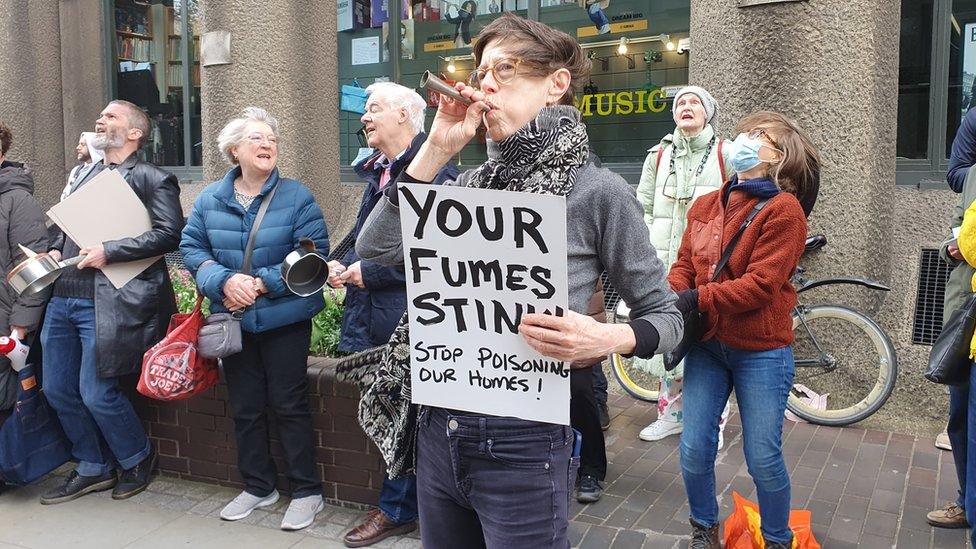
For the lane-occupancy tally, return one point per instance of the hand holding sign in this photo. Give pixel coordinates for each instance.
(573, 337)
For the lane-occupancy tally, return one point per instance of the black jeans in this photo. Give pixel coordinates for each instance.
(585, 418)
(495, 482)
(600, 386)
(271, 372)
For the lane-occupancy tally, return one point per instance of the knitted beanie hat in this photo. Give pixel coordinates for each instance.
(711, 106)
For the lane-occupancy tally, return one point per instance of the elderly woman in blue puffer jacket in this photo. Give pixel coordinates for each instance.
(270, 371)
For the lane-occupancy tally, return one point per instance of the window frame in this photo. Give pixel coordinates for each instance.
(630, 171)
(930, 172)
(186, 171)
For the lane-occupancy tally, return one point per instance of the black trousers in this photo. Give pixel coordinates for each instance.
(270, 373)
(585, 418)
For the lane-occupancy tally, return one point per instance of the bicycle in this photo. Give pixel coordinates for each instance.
(838, 352)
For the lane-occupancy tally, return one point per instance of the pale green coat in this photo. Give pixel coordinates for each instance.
(667, 217)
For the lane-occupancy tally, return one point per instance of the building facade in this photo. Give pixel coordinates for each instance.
(880, 85)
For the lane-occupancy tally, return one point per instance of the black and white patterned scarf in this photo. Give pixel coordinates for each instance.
(544, 157)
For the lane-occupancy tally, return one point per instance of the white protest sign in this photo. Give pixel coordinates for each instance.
(476, 260)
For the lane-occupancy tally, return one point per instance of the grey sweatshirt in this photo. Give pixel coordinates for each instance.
(605, 231)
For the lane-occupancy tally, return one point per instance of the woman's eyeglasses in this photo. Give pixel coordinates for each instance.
(504, 71)
(759, 133)
(671, 191)
(259, 138)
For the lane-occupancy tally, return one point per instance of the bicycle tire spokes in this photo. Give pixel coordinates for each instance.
(842, 354)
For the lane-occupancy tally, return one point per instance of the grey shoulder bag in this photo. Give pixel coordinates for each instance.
(220, 336)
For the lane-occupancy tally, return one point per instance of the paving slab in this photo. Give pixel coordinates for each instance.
(865, 488)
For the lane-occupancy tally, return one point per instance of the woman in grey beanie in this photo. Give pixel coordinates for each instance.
(686, 164)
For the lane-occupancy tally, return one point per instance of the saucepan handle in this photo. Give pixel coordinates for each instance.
(72, 261)
(307, 244)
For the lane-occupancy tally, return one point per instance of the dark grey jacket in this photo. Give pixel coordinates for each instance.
(959, 285)
(131, 320)
(21, 222)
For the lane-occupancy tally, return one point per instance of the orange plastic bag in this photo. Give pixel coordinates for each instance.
(742, 527)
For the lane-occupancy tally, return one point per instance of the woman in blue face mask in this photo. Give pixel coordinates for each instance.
(745, 303)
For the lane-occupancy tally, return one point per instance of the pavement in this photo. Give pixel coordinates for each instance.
(866, 488)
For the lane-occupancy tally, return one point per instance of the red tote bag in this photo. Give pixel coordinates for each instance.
(172, 369)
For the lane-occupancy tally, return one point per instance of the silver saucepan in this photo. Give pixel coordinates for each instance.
(37, 272)
(304, 270)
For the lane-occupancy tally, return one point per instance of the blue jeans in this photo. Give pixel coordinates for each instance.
(96, 415)
(495, 482)
(398, 499)
(762, 381)
(962, 434)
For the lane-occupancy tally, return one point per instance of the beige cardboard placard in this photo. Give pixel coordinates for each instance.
(105, 209)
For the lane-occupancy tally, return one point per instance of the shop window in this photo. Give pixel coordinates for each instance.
(156, 66)
(914, 77)
(435, 35)
(962, 66)
(364, 58)
(640, 55)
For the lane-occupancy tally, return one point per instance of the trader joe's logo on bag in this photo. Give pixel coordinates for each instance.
(167, 372)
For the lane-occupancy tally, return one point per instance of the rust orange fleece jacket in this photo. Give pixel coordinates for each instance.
(749, 306)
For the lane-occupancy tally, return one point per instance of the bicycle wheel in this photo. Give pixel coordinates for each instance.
(638, 384)
(844, 354)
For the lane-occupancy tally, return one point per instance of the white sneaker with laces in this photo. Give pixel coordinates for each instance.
(244, 503)
(660, 429)
(301, 512)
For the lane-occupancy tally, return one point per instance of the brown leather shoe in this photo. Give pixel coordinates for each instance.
(375, 528)
(950, 516)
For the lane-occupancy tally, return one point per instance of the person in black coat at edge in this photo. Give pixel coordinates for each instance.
(94, 333)
(21, 222)
(376, 294)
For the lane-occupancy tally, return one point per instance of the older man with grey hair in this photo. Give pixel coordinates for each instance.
(376, 294)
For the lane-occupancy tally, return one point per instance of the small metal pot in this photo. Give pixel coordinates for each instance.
(37, 272)
(304, 270)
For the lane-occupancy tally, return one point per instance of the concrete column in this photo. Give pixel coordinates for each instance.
(84, 69)
(30, 90)
(283, 59)
(832, 65)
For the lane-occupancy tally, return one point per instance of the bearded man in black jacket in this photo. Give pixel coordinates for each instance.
(93, 333)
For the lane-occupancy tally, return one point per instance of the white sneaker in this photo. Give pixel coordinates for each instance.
(244, 503)
(660, 429)
(604, 29)
(721, 438)
(942, 441)
(301, 512)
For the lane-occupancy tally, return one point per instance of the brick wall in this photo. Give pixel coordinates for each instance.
(195, 438)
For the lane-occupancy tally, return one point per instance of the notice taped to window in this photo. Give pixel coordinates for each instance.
(476, 260)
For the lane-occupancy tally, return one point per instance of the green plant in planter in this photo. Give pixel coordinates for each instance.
(325, 325)
(186, 291)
